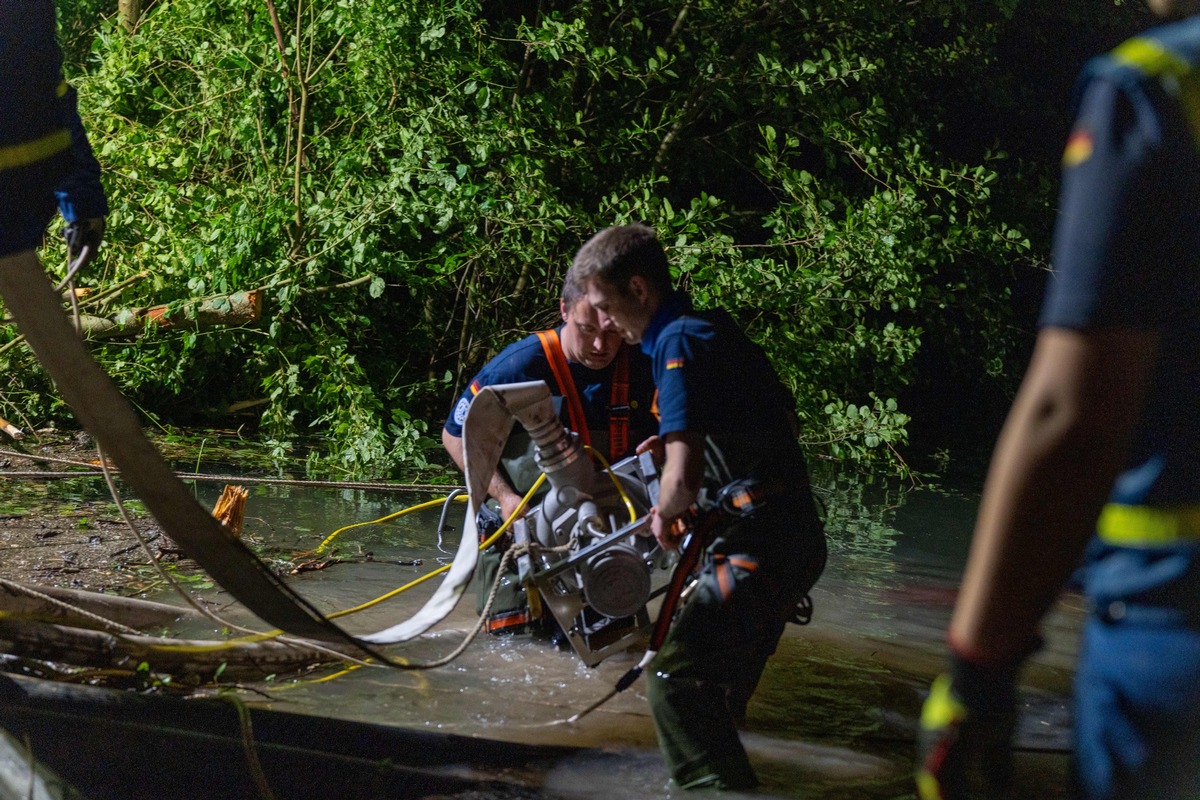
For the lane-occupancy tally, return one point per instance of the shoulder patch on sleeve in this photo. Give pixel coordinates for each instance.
(1079, 147)
(674, 363)
(460, 412)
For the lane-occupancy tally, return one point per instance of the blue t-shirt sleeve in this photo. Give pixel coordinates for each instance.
(458, 414)
(679, 374)
(521, 361)
(1111, 236)
(496, 371)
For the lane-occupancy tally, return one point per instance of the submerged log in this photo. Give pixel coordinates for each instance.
(28, 601)
(205, 659)
(52, 624)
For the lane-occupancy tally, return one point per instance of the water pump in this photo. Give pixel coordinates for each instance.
(591, 558)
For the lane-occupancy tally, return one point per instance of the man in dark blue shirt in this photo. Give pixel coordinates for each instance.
(1098, 458)
(44, 152)
(603, 390)
(726, 422)
(604, 394)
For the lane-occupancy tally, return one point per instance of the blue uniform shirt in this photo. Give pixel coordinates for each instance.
(713, 381)
(526, 361)
(43, 149)
(1127, 243)
(80, 194)
(1127, 256)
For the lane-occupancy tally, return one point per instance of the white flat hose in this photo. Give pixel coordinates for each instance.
(107, 415)
(485, 430)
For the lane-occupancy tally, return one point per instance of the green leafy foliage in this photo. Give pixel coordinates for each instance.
(406, 182)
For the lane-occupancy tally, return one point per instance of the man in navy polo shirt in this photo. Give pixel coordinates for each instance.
(604, 394)
(1097, 461)
(726, 422)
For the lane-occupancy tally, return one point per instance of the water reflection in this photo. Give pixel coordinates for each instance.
(834, 716)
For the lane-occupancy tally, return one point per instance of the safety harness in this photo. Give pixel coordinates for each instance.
(618, 408)
(518, 619)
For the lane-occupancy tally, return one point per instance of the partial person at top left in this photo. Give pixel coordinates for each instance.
(45, 157)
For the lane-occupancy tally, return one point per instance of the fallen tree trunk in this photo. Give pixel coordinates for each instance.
(205, 659)
(29, 601)
(239, 308)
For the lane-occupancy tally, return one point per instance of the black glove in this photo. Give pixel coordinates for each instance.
(964, 745)
(84, 233)
(487, 522)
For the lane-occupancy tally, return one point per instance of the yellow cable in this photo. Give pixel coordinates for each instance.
(272, 634)
(486, 543)
(419, 507)
(279, 687)
(217, 646)
(616, 482)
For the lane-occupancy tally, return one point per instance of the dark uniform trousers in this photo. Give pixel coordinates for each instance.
(699, 684)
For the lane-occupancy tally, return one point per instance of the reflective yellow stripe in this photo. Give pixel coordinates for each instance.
(1150, 57)
(928, 787)
(1153, 59)
(20, 155)
(942, 708)
(1148, 526)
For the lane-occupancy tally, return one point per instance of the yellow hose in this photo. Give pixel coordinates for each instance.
(616, 482)
(178, 648)
(420, 507)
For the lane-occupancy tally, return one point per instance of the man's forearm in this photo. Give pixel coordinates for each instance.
(498, 486)
(681, 476)
(1064, 442)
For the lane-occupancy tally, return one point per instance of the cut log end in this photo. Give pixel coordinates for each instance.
(12, 430)
(230, 509)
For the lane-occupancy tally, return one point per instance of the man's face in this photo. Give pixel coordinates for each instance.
(628, 313)
(585, 341)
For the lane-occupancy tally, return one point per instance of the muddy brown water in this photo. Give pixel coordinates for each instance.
(834, 716)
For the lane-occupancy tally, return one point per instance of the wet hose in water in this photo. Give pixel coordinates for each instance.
(108, 416)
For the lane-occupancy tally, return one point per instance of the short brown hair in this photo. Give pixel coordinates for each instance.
(572, 292)
(616, 254)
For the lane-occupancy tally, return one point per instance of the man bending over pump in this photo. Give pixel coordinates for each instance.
(728, 433)
(603, 392)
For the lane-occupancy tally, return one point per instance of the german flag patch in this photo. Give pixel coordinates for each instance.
(1079, 147)
(674, 363)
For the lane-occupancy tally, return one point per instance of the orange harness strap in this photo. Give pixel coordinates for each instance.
(552, 347)
(618, 408)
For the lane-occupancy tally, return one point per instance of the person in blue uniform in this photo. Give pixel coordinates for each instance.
(727, 426)
(44, 152)
(604, 393)
(1097, 461)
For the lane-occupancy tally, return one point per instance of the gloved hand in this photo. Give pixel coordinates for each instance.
(964, 749)
(84, 233)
